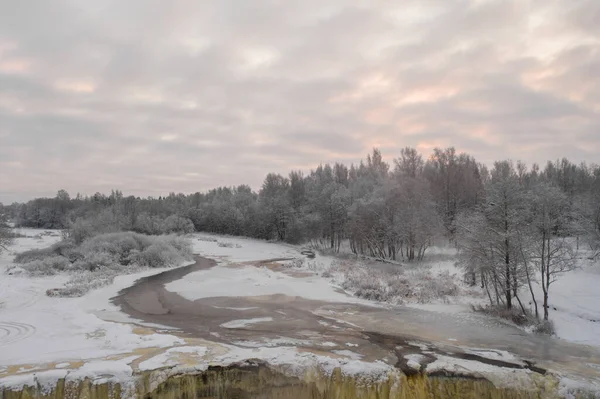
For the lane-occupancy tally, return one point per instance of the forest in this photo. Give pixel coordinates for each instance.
(510, 222)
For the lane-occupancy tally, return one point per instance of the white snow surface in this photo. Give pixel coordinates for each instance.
(245, 322)
(170, 357)
(240, 249)
(221, 281)
(575, 303)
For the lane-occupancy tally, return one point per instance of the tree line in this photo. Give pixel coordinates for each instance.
(509, 222)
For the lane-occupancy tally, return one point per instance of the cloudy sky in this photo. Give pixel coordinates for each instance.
(156, 96)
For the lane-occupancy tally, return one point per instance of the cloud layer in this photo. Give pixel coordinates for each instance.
(153, 96)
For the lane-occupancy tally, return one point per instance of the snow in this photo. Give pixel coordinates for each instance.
(414, 360)
(499, 376)
(171, 357)
(574, 301)
(281, 341)
(347, 353)
(298, 362)
(104, 370)
(222, 280)
(245, 322)
(240, 249)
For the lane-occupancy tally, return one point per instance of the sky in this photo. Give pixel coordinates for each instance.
(152, 96)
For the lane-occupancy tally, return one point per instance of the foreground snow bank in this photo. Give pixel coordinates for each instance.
(41, 330)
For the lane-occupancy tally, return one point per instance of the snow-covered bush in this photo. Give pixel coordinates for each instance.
(545, 327)
(34, 255)
(83, 228)
(97, 260)
(48, 266)
(160, 254)
(392, 283)
(177, 224)
(62, 248)
(155, 225)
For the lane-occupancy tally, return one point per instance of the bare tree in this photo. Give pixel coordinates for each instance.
(553, 255)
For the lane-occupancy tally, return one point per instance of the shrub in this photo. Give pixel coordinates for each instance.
(159, 254)
(97, 260)
(34, 255)
(155, 225)
(83, 228)
(177, 224)
(62, 248)
(545, 327)
(392, 283)
(48, 266)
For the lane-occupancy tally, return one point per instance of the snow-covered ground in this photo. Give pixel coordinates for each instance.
(231, 249)
(574, 301)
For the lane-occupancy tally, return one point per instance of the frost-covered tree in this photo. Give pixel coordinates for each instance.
(6, 236)
(552, 253)
(489, 236)
(275, 204)
(455, 181)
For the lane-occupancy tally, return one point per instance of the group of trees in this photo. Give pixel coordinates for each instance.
(510, 223)
(529, 225)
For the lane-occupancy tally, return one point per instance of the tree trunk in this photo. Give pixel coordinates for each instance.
(481, 277)
(507, 261)
(521, 305)
(545, 276)
(487, 289)
(537, 314)
(545, 305)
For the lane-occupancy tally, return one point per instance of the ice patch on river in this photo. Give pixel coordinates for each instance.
(245, 322)
(223, 281)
